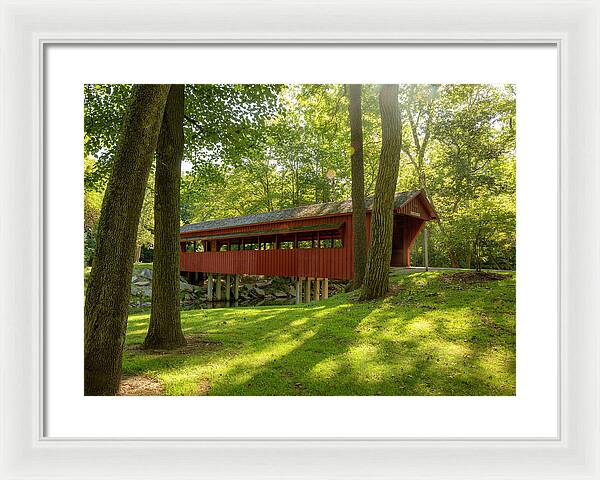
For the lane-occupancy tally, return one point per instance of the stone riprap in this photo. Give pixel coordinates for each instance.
(253, 290)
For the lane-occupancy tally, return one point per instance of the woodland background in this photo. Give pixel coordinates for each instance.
(258, 148)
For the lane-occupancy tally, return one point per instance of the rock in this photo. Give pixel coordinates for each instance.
(280, 294)
(141, 291)
(259, 291)
(142, 282)
(186, 287)
(292, 291)
(146, 273)
(264, 283)
(269, 297)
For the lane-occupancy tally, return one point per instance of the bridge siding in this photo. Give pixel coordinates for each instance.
(334, 263)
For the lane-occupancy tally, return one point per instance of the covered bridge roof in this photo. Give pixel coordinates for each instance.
(306, 211)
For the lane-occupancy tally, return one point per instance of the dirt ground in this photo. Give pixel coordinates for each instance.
(140, 385)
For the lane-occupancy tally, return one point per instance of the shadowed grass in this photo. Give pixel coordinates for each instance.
(431, 336)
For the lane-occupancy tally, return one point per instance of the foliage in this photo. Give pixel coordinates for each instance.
(145, 233)
(433, 336)
(460, 151)
(258, 148)
(103, 109)
(93, 195)
(223, 123)
(458, 146)
(92, 203)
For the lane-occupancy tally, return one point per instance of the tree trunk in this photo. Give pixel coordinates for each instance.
(107, 297)
(382, 220)
(165, 323)
(358, 186)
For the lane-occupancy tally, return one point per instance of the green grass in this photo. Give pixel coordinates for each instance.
(430, 337)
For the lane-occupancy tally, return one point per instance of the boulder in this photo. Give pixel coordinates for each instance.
(146, 273)
(258, 292)
(292, 291)
(186, 287)
(141, 291)
(280, 294)
(142, 282)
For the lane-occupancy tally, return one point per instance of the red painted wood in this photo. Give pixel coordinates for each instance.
(334, 263)
(301, 262)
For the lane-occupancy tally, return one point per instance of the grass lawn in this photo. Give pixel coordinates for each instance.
(436, 334)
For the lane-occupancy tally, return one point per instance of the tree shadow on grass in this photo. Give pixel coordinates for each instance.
(437, 361)
(244, 335)
(285, 372)
(339, 348)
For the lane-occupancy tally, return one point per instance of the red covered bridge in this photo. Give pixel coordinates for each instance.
(312, 241)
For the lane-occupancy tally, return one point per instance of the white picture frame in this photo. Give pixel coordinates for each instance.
(27, 27)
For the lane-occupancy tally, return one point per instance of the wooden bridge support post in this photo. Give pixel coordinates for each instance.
(210, 287)
(317, 289)
(308, 289)
(325, 288)
(219, 297)
(236, 287)
(299, 281)
(227, 287)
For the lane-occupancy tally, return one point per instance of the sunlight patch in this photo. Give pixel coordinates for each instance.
(422, 326)
(362, 353)
(327, 368)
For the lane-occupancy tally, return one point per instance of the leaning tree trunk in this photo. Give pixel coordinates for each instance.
(107, 296)
(380, 252)
(358, 186)
(165, 322)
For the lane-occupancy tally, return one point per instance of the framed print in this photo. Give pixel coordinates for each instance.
(481, 356)
(471, 364)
